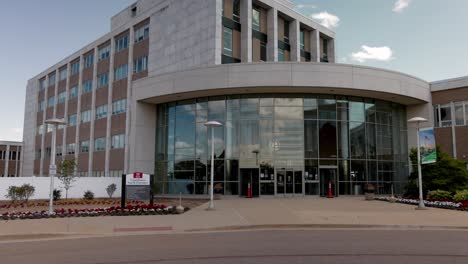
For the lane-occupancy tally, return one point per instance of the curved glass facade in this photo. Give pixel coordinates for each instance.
(281, 145)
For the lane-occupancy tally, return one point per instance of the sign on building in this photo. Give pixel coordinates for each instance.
(427, 145)
(137, 186)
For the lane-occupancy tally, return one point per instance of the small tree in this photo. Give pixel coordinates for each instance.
(12, 193)
(66, 170)
(111, 189)
(27, 191)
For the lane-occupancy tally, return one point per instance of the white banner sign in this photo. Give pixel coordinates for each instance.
(137, 178)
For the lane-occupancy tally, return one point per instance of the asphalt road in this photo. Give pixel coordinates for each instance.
(274, 246)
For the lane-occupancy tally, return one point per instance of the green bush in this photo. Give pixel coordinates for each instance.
(461, 196)
(439, 195)
(88, 195)
(22, 193)
(57, 194)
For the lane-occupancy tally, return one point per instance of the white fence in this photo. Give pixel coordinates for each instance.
(97, 185)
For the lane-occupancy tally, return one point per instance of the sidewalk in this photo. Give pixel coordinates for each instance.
(234, 214)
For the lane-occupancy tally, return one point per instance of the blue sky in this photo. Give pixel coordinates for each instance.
(424, 38)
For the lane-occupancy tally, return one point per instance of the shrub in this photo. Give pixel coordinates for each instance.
(12, 193)
(439, 195)
(88, 195)
(461, 196)
(57, 194)
(111, 189)
(27, 191)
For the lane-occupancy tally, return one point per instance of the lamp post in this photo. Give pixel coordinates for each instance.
(212, 125)
(53, 168)
(417, 121)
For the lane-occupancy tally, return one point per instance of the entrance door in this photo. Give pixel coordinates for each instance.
(328, 175)
(288, 182)
(249, 176)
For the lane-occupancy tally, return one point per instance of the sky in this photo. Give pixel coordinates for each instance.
(424, 38)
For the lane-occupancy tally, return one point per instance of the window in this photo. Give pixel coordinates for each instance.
(459, 114)
(62, 97)
(42, 84)
(60, 127)
(118, 141)
(286, 31)
(121, 43)
(263, 51)
(227, 37)
(104, 52)
(236, 11)
(140, 64)
(58, 151)
(101, 112)
(63, 74)
(71, 149)
(41, 106)
(51, 101)
(120, 72)
(88, 60)
(119, 106)
(85, 116)
(302, 40)
(75, 68)
(100, 144)
(142, 33)
(84, 146)
(49, 128)
(87, 86)
(40, 129)
(73, 92)
(72, 120)
(256, 19)
(445, 115)
(280, 55)
(103, 79)
(52, 79)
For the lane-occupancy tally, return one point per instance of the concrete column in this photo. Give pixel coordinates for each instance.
(65, 115)
(315, 46)
(295, 40)
(7, 160)
(454, 135)
(331, 51)
(93, 113)
(272, 45)
(57, 77)
(218, 32)
(109, 106)
(78, 110)
(44, 129)
(128, 114)
(18, 150)
(246, 33)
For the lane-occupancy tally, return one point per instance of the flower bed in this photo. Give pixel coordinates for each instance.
(69, 202)
(109, 211)
(447, 204)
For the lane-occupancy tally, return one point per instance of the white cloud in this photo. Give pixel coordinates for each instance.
(400, 5)
(372, 53)
(305, 6)
(326, 19)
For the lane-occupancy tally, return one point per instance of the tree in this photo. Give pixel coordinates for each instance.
(66, 171)
(447, 174)
(111, 189)
(27, 191)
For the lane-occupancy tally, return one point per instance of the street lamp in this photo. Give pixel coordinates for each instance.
(212, 125)
(53, 168)
(417, 121)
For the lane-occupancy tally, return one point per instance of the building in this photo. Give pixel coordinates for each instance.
(10, 156)
(293, 120)
(450, 100)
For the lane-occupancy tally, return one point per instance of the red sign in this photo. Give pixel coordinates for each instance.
(138, 175)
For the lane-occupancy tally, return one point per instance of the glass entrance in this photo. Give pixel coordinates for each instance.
(328, 176)
(289, 182)
(249, 176)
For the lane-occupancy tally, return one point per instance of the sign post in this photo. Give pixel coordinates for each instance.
(136, 186)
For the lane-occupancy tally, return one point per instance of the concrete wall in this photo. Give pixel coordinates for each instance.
(29, 129)
(97, 185)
